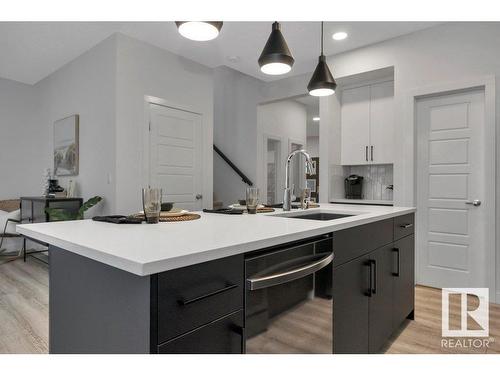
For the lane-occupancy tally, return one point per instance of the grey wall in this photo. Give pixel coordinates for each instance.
(23, 148)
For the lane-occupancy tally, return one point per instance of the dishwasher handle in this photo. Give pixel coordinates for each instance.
(273, 276)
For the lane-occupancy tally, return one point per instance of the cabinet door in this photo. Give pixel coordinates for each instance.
(355, 125)
(382, 123)
(350, 306)
(404, 279)
(224, 336)
(380, 310)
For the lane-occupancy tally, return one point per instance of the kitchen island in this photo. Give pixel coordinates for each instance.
(180, 287)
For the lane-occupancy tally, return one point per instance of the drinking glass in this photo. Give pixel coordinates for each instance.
(252, 200)
(151, 202)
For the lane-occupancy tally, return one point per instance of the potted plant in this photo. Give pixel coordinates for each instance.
(61, 214)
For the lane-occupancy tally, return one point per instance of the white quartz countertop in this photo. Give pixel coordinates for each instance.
(362, 201)
(146, 249)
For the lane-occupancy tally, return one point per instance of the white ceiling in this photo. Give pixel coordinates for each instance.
(32, 50)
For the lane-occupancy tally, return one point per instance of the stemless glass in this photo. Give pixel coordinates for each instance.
(252, 200)
(151, 202)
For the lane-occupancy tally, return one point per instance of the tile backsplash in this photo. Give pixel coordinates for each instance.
(376, 179)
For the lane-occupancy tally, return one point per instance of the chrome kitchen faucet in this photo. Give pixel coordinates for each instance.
(287, 198)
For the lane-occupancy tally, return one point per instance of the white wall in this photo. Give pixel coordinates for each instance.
(23, 148)
(236, 97)
(447, 53)
(312, 146)
(85, 86)
(284, 120)
(145, 70)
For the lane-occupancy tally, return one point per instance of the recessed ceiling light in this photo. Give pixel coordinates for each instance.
(316, 118)
(234, 59)
(199, 30)
(341, 35)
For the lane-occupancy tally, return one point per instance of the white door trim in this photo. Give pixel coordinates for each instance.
(207, 152)
(280, 169)
(488, 84)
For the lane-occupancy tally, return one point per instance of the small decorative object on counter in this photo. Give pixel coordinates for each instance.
(252, 200)
(47, 175)
(55, 190)
(151, 202)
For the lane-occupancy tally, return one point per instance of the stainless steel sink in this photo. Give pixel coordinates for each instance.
(315, 215)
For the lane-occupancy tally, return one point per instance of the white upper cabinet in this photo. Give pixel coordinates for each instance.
(355, 119)
(382, 123)
(368, 124)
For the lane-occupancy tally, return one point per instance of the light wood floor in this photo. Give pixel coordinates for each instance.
(24, 315)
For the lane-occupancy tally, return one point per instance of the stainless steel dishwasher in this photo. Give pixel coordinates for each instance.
(288, 299)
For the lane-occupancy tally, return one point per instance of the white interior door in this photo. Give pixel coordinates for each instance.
(451, 150)
(175, 144)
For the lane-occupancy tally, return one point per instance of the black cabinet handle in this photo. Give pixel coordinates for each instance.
(396, 250)
(406, 226)
(371, 152)
(185, 302)
(372, 289)
(366, 153)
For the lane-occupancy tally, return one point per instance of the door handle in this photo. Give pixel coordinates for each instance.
(373, 278)
(366, 153)
(396, 250)
(371, 152)
(198, 197)
(374, 287)
(273, 276)
(475, 202)
(184, 302)
(406, 226)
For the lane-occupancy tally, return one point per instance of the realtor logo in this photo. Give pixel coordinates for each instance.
(479, 315)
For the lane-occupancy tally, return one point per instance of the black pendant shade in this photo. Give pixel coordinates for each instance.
(276, 57)
(322, 78)
(322, 82)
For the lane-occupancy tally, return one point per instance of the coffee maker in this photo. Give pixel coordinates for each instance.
(353, 186)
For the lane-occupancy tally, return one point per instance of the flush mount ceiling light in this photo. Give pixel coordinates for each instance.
(322, 82)
(316, 118)
(199, 30)
(276, 58)
(341, 35)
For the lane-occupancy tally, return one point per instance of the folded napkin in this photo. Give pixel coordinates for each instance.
(118, 219)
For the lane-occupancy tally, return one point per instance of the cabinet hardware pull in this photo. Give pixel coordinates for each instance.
(273, 276)
(396, 250)
(366, 153)
(371, 152)
(406, 226)
(185, 302)
(374, 289)
(370, 277)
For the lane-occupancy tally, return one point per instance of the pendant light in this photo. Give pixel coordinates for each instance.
(322, 82)
(276, 58)
(199, 30)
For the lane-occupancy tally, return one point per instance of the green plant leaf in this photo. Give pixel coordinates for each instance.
(88, 204)
(59, 214)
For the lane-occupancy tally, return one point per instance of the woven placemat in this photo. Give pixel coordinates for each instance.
(265, 210)
(166, 219)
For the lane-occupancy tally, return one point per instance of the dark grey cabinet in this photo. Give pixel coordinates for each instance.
(350, 306)
(404, 279)
(373, 283)
(380, 298)
(223, 336)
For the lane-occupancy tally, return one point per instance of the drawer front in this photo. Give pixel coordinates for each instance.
(223, 336)
(404, 226)
(351, 243)
(192, 296)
